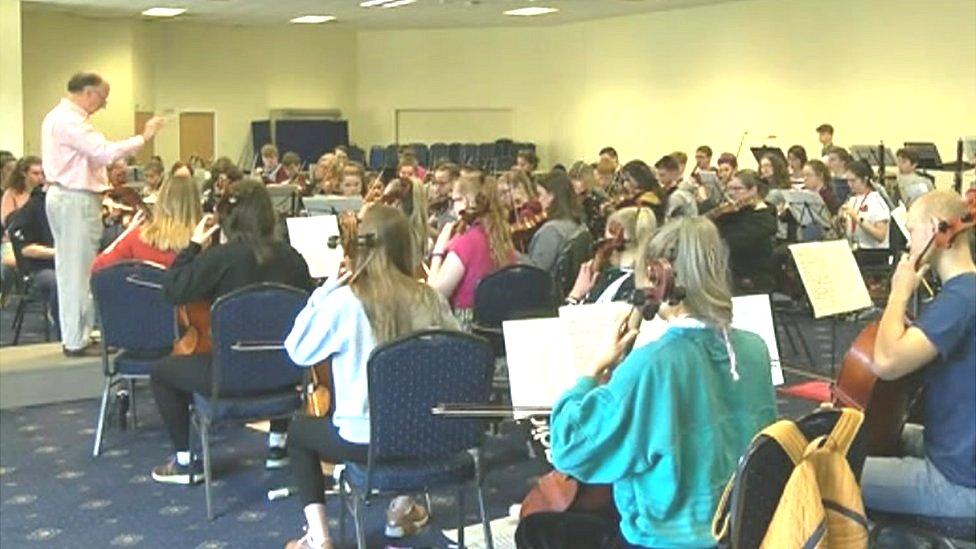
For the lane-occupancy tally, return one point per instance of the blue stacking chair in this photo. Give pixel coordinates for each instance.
(486, 156)
(422, 153)
(511, 293)
(439, 152)
(357, 154)
(248, 327)
(410, 449)
(138, 321)
(376, 154)
(454, 153)
(469, 154)
(391, 156)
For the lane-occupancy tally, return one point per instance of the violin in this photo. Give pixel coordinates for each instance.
(886, 404)
(605, 247)
(525, 228)
(732, 207)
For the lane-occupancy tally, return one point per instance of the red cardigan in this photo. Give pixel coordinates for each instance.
(133, 247)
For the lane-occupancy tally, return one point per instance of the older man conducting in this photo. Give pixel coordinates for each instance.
(74, 157)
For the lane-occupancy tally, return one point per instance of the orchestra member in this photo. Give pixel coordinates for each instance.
(291, 163)
(727, 166)
(590, 195)
(839, 160)
(271, 171)
(441, 206)
(607, 167)
(796, 158)
(181, 169)
(562, 220)
(249, 253)
(459, 262)
(326, 174)
(409, 166)
(118, 173)
(176, 212)
(519, 195)
(825, 133)
(774, 174)
(353, 177)
(223, 174)
(526, 162)
(26, 175)
(748, 232)
(911, 185)
(639, 181)
(634, 431)
(865, 213)
(682, 200)
(343, 322)
(682, 160)
(154, 179)
(935, 474)
(815, 178)
(703, 160)
(341, 153)
(616, 281)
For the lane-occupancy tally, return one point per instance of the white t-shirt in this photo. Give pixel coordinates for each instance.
(870, 208)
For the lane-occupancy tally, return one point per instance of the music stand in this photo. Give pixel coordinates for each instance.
(284, 199)
(928, 155)
(863, 152)
(809, 211)
(332, 204)
(759, 152)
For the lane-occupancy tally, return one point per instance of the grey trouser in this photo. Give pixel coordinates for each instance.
(76, 223)
(912, 485)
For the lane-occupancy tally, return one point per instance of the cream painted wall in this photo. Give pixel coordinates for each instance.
(11, 83)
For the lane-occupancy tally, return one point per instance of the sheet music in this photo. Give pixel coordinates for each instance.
(751, 313)
(538, 354)
(592, 329)
(310, 237)
(831, 277)
(900, 215)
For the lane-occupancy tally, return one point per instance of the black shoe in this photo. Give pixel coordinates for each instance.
(174, 473)
(89, 351)
(277, 457)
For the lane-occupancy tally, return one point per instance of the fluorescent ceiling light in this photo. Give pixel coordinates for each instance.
(163, 12)
(373, 3)
(313, 19)
(530, 11)
(398, 3)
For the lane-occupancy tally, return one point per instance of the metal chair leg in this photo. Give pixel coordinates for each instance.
(132, 402)
(19, 318)
(100, 427)
(430, 507)
(47, 324)
(489, 542)
(460, 516)
(357, 514)
(205, 442)
(343, 507)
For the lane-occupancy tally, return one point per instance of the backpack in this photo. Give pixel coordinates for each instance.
(576, 250)
(820, 504)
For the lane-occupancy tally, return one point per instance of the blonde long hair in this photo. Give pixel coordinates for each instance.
(176, 213)
(481, 194)
(638, 224)
(700, 261)
(383, 279)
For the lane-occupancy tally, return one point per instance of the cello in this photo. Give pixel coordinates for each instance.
(886, 404)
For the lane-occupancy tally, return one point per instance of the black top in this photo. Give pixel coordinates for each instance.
(749, 234)
(28, 225)
(221, 269)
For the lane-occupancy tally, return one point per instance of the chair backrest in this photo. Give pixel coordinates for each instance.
(249, 327)
(421, 151)
(409, 376)
(512, 293)
(577, 249)
(376, 154)
(438, 153)
(391, 156)
(134, 314)
(763, 472)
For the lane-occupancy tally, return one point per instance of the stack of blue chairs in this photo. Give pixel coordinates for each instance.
(497, 156)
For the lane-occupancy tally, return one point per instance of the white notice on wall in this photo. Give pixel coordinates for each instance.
(310, 237)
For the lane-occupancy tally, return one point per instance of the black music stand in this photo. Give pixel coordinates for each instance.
(928, 155)
(869, 154)
(759, 152)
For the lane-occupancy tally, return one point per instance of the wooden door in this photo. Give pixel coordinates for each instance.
(144, 154)
(197, 135)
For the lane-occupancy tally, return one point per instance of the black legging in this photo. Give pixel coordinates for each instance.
(569, 531)
(174, 379)
(311, 440)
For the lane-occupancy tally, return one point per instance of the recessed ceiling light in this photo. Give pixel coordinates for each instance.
(398, 3)
(530, 11)
(313, 19)
(163, 12)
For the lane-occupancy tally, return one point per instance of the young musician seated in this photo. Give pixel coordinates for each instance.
(272, 171)
(911, 185)
(155, 173)
(727, 166)
(749, 233)
(825, 133)
(936, 477)
(591, 197)
(291, 163)
(459, 261)
(526, 162)
(325, 174)
(839, 161)
(670, 425)
(519, 195)
(249, 253)
(615, 282)
(774, 173)
(640, 182)
(342, 322)
(353, 177)
(223, 174)
(562, 220)
(607, 167)
(176, 212)
(796, 158)
(441, 207)
(682, 200)
(816, 177)
(865, 214)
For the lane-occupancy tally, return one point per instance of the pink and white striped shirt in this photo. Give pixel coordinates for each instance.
(74, 154)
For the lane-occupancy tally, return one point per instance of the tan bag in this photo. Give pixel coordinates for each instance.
(318, 392)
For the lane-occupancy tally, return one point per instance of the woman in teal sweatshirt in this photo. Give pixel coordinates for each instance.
(668, 428)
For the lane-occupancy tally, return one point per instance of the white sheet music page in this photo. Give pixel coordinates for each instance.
(831, 277)
(538, 354)
(310, 237)
(592, 329)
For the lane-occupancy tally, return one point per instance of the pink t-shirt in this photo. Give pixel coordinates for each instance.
(474, 251)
